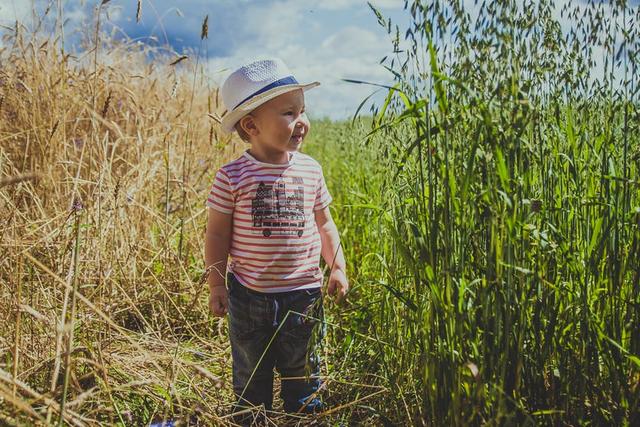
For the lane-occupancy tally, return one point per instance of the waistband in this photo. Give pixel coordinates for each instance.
(232, 280)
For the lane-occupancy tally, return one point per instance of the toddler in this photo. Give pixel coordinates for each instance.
(269, 211)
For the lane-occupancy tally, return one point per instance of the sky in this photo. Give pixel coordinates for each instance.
(320, 40)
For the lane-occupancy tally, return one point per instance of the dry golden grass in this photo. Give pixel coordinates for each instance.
(105, 163)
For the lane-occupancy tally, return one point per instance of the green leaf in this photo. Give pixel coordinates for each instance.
(441, 96)
(594, 236)
(502, 169)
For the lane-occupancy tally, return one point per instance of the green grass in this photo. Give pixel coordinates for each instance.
(491, 224)
(506, 306)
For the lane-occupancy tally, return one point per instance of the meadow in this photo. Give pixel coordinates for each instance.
(489, 212)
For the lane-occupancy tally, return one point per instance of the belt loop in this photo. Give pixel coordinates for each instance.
(275, 312)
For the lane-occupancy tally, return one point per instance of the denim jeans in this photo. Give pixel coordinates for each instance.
(265, 333)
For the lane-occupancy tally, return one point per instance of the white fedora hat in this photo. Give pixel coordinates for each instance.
(254, 84)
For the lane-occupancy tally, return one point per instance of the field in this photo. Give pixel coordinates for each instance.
(489, 211)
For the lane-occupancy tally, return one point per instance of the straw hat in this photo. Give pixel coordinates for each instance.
(254, 84)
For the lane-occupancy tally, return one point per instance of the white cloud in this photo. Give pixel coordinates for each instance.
(275, 25)
(314, 53)
(350, 40)
(12, 10)
(348, 4)
(77, 17)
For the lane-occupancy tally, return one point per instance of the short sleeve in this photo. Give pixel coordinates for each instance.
(323, 198)
(221, 194)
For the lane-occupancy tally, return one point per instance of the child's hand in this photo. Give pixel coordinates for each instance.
(218, 301)
(338, 285)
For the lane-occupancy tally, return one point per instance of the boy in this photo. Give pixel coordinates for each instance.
(269, 212)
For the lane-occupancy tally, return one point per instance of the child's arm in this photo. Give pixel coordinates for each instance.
(216, 252)
(332, 253)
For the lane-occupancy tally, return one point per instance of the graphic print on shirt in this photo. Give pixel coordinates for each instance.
(275, 211)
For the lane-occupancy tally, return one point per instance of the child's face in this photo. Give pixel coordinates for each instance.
(281, 123)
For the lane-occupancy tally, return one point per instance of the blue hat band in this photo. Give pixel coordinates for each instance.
(282, 82)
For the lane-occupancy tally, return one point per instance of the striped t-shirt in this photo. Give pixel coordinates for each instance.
(275, 243)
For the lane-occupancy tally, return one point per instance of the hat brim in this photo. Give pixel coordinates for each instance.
(231, 118)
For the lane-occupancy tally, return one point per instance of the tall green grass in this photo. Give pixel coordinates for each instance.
(491, 219)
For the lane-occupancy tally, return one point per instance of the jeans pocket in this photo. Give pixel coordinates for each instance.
(306, 313)
(232, 283)
(249, 314)
(314, 292)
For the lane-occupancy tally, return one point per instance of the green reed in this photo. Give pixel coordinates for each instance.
(496, 237)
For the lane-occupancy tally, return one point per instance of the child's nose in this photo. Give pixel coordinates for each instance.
(302, 122)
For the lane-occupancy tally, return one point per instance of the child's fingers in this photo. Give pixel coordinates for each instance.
(342, 291)
(337, 290)
(224, 306)
(219, 306)
(331, 288)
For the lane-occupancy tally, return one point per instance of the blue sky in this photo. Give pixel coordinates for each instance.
(323, 40)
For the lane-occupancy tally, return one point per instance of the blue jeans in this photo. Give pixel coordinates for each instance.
(265, 333)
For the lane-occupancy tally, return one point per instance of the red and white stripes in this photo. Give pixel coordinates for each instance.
(275, 245)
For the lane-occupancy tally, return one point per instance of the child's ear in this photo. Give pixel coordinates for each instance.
(248, 124)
